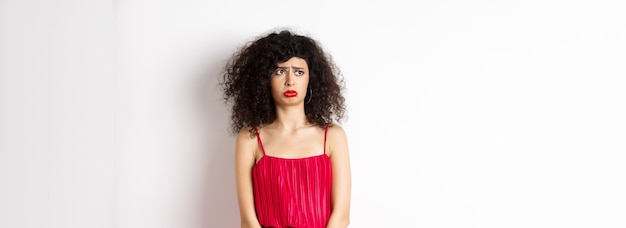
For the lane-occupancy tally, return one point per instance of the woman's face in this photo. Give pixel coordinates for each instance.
(290, 81)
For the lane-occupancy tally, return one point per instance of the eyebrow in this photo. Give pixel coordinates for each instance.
(294, 67)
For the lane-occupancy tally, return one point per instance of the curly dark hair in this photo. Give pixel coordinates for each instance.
(246, 80)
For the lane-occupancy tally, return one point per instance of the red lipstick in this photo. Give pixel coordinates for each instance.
(290, 93)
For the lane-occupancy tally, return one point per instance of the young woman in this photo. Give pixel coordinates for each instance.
(292, 162)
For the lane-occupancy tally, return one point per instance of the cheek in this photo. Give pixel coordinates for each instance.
(305, 82)
(276, 86)
(274, 83)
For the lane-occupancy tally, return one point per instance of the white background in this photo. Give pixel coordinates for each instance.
(460, 114)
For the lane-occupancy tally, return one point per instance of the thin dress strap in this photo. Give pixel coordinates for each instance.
(325, 133)
(258, 137)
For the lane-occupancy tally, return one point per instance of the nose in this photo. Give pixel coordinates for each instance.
(290, 79)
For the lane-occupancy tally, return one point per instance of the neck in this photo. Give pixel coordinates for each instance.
(291, 117)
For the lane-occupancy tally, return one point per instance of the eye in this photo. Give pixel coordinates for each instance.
(299, 72)
(279, 71)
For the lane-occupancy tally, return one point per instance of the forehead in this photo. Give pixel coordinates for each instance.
(294, 62)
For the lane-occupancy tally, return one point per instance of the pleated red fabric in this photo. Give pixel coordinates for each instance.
(292, 192)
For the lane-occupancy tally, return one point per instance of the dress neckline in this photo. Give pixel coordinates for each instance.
(290, 159)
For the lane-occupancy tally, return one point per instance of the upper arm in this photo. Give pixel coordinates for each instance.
(340, 159)
(245, 147)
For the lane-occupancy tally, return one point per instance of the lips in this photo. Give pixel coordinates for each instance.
(290, 93)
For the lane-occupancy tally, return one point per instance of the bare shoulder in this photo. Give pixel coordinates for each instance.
(245, 134)
(336, 131)
(337, 139)
(246, 140)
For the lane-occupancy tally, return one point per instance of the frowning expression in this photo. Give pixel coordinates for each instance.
(289, 82)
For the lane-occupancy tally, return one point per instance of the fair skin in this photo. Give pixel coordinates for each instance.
(291, 136)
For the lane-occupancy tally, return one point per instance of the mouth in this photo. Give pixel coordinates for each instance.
(290, 93)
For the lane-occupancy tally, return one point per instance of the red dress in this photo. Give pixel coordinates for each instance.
(292, 192)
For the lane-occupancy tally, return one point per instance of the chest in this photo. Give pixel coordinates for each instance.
(293, 146)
